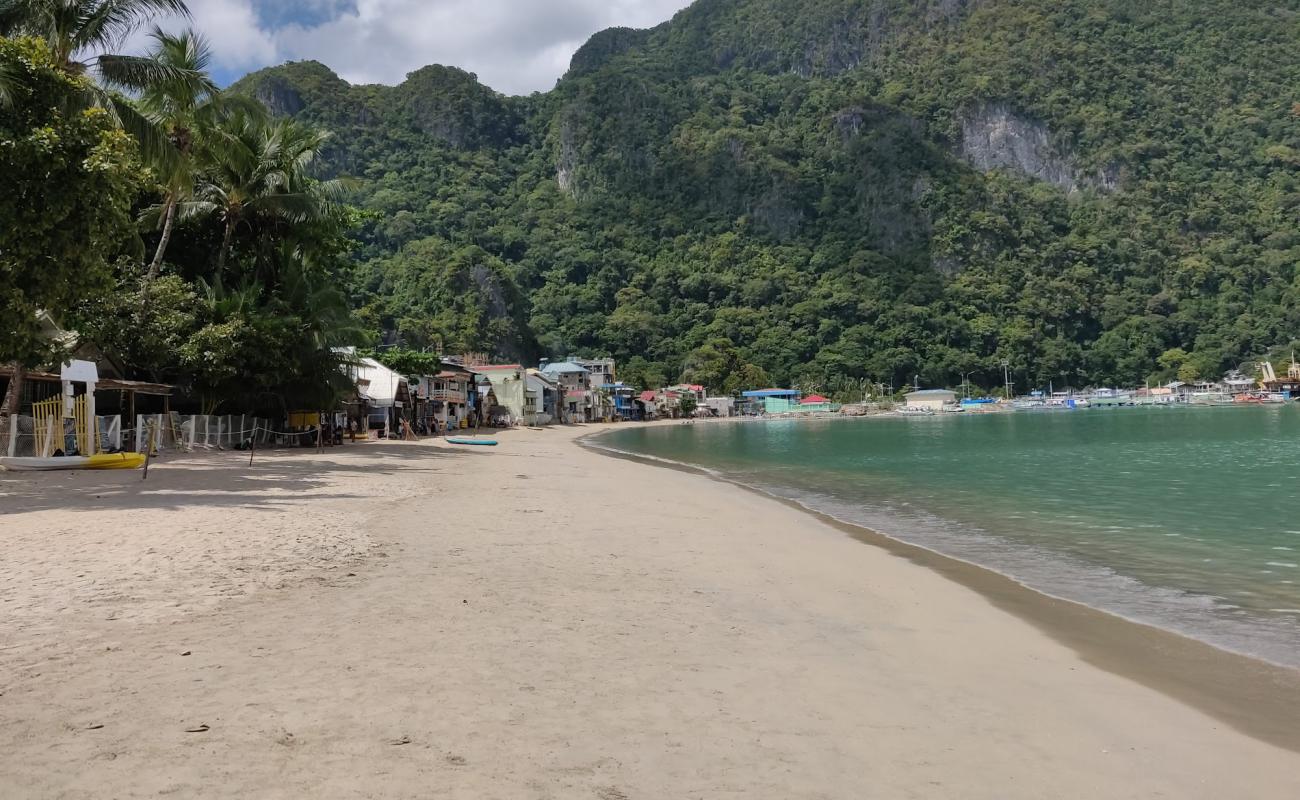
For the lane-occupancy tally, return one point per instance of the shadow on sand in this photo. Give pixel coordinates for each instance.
(276, 480)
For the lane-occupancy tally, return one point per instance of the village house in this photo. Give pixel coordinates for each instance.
(721, 406)
(574, 382)
(383, 396)
(542, 398)
(773, 401)
(815, 404)
(648, 402)
(601, 369)
(444, 397)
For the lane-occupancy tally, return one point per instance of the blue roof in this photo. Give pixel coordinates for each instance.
(561, 367)
(772, 393)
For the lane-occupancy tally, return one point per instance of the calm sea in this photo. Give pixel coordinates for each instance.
(1185, 518)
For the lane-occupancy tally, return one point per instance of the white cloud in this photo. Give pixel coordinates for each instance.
(232, 28)
(514, 46)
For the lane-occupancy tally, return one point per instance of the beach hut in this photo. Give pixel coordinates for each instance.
(815, 403)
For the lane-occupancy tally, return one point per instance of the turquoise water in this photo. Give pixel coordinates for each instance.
(1184, 518)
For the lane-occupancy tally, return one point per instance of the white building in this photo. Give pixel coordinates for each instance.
(930, 399)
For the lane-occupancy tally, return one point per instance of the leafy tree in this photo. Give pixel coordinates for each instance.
(65, 209)
(405, 361)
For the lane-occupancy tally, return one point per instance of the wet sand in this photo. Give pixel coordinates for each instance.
(539, 620)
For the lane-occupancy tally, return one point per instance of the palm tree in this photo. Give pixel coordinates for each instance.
(257, 174)
(184, 109)
(80, 32)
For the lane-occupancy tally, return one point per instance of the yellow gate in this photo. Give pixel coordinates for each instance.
(86, 426)
(47, 425)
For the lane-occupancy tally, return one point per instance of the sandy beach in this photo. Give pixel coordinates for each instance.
(540, 620)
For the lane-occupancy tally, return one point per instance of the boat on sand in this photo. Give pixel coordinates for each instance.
(98, 461)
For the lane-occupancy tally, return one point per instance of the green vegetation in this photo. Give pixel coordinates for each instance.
(70, 177)
(240, 301)
(804, 191)
(835, 194)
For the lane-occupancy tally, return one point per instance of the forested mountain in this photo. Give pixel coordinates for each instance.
(827, 191)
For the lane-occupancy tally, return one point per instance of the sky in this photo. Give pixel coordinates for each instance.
(514, 46)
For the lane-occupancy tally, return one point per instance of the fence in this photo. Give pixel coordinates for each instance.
(48, 430)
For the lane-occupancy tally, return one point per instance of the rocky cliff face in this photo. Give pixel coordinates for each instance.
(279, 96)
(603, 47)
(450, 105)
(994, 136)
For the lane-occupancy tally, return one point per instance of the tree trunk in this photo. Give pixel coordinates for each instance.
(13, 397)
(225, 245)
(169, 220)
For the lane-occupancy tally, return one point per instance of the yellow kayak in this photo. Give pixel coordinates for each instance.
(116, 461)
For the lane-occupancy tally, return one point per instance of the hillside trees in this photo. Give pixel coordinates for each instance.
(796, 179)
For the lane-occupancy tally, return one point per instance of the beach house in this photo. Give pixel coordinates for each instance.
(774, 401)
(624, 398)
(383, 395)
(930, 399)
(574, 383)
(601, 369)
(815, 404)
(444, 398)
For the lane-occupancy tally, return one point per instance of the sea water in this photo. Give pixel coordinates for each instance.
(1184, 518)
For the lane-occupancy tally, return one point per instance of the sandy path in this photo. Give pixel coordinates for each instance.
(538, 621)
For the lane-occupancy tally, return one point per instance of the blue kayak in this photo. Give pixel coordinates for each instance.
(479, 442)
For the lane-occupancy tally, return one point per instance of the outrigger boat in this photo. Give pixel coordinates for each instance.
(100, 461)
(468, 441)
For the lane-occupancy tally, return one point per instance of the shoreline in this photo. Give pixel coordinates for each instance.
(1256, 696)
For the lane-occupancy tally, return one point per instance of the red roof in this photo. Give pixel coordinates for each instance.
(648, 396)
(813, 399)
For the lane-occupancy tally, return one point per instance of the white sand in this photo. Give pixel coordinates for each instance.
(534, 621)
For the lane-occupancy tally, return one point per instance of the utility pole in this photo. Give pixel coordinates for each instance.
(1006, 377)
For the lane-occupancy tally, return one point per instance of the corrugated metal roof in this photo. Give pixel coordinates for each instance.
(561, 367)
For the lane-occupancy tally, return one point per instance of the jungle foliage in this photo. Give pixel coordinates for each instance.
(786, 180)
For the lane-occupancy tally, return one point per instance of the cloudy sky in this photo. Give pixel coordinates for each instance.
(514, 46)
